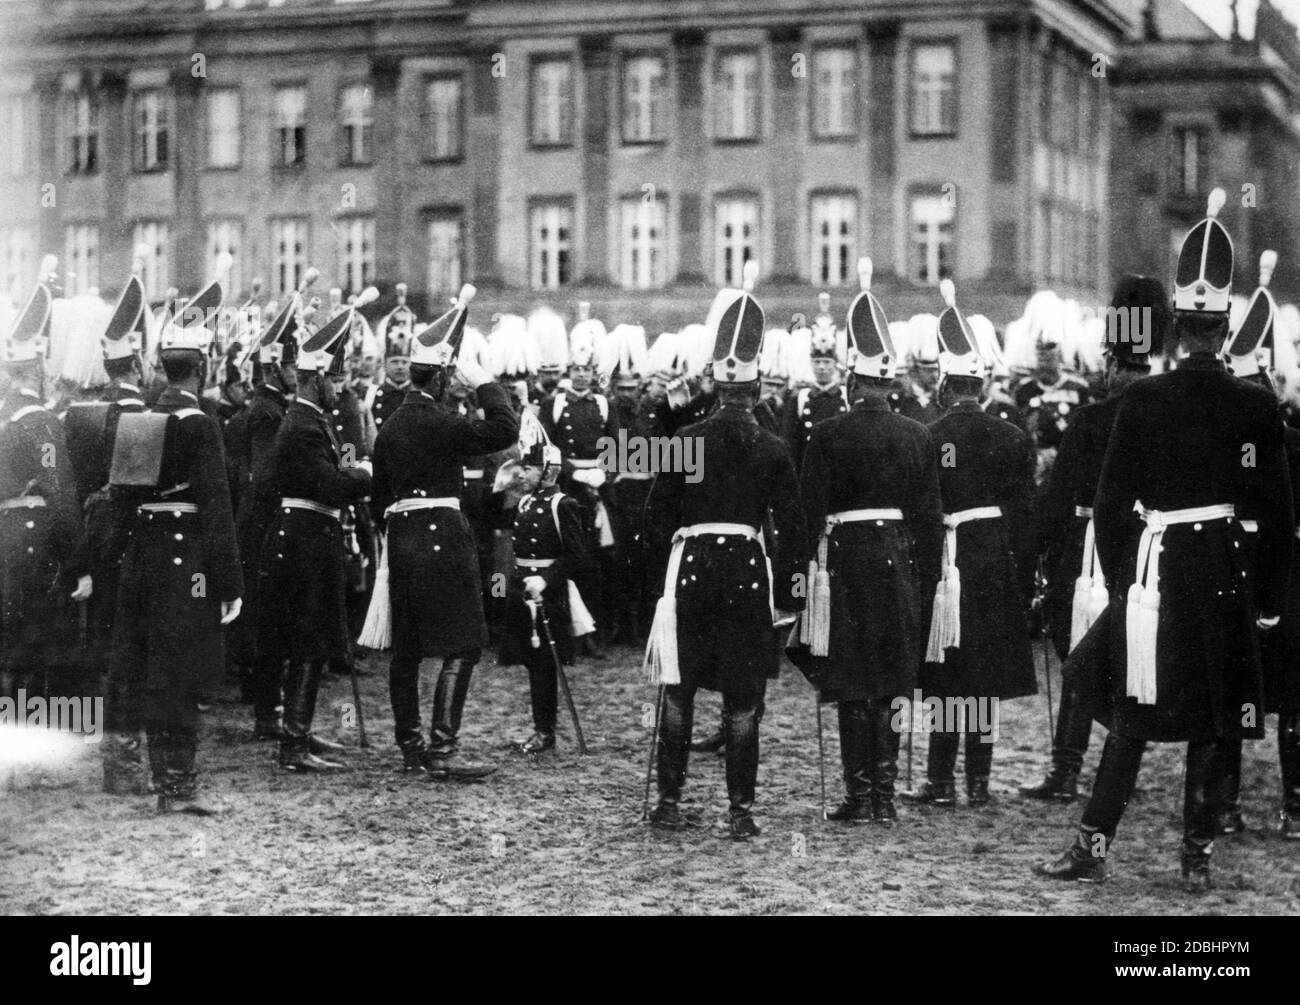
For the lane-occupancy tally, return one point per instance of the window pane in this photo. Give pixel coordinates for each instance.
(835, 92)
(834, 230)
(642, 247)
(934, 99)
(932, 226)
(736, 96)
(552, 102)
(643, 87)
(551, 226)
(735, 238)
(444, 258)
(443, 118)
(80, 260)
(223, 128)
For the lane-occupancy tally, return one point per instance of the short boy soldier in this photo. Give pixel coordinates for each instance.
(714, 625)
(551, 545)
(1077, 587)
(180, 579)
(870, 489)
(42, 559)
(1173, 659)
(302, 588)
(978, 646)
(825, 398)
(434, 590)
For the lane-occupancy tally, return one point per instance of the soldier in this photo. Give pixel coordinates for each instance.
(774, 368)
(347, 419)
(302, 585)
(1248, 355)
(42, 558)
(918, 389)
(1172, 659)
(180, 579)
(870, 489)
(550, 547)
(395, 334)
(714, 626)
(1046, 399)
(826, 397)
(978, 651)
(434, 592)
(1077, 588)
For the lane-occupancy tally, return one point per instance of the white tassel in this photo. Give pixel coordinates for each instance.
(1098, 600)
(377, 632)
(1079, 609)
(810, 609)
(951, 638)
(660, 664)
(579, 616)
(821, 627)
(934, 647)
(1148, 626)
(1133, 634)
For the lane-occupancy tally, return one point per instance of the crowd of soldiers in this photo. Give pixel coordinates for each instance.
(892, 507)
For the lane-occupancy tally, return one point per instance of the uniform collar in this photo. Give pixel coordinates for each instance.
(735, 413)
(396, 387)
(871, 405)
(1201, 361)
(965, 406)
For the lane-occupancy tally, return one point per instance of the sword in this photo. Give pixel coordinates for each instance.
(539, 607)
(356, 700)
(1039, 607)
(654, 743)
(821, 753)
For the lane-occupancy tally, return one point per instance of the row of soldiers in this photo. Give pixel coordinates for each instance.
(846, 527)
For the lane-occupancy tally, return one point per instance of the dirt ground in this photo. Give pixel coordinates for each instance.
(564, 834)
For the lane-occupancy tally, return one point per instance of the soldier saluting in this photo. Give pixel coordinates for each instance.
(434, 591)
(870, 490)
(714, 625)
(1173, 655)
(180, 579)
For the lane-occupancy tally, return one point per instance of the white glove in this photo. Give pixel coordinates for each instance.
(679, 394)
(594, 477)
(534, 585)
(468, 370)
(1265, 622)
(85, 587)
(365, 465)
(230, 609)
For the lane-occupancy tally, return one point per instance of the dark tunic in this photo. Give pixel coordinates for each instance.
(41, 548)
(1181, 439)
(725, 638)
(302, 588)
(984, 461)
(178, 569)
(1047, 409)
(537, 536)
(433, 566)
(804, 409)
(388, 398)
(872, 458)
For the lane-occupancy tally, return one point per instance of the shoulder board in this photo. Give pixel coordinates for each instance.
(185, 413)
(25, 411)
(558, 406)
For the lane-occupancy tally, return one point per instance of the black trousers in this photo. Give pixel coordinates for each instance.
(1121, 757)
(449, 698)
(1073, 733)
(173, 734)
(941, 764)
(543, 685)
(740, 716)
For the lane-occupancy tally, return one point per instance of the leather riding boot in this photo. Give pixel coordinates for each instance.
(673, 753)
(124, 769)
(543, 694)
(1288, 753)
(979, 765)
(1201, 809)
(884, 745)
(740, 721)
(404, 695)
(1229, 819)
(299, 709)
(266, 684)
(857, 757)
(445, 760)
(157, 746)
(1073, 731)
(939, 788)
(1084, 861)
(180, 791)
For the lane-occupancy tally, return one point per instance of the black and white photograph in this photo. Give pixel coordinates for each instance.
(651, 457)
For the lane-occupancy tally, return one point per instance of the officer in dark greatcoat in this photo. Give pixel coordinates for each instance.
(715, 624)
(42, 557)
(826, 397)
(1077, 589)
(1174, 657)
(302, 588)
(181, 579)
(978, 646)
(434, 591)
(870, 489)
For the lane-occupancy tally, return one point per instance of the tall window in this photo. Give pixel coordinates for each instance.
(80, 259)
(16, 127)
(1187, 161)
(223, 127)
(290, 126)
(288, 256)
(443, 125)
(932, 224)
(80, 132)
(445, 243)
(644, 85)
(356, 248)
(834, 239)
(551, 251)
(154, 274)
(835, 91)
(552, 102)
(934, 89)
(151, 131)
(735, 90)
(226, 237)
(642, 259)
(735, 238)
(17, 262)
(356, 114)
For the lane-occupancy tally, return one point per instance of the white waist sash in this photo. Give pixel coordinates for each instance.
(1249, 526)
(534, 563)
(174, 507)
(410, 505)
(1143, 612)
(1083, 511)
(23, 502)
(660, 663)
(291, 502)
(945, 624)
